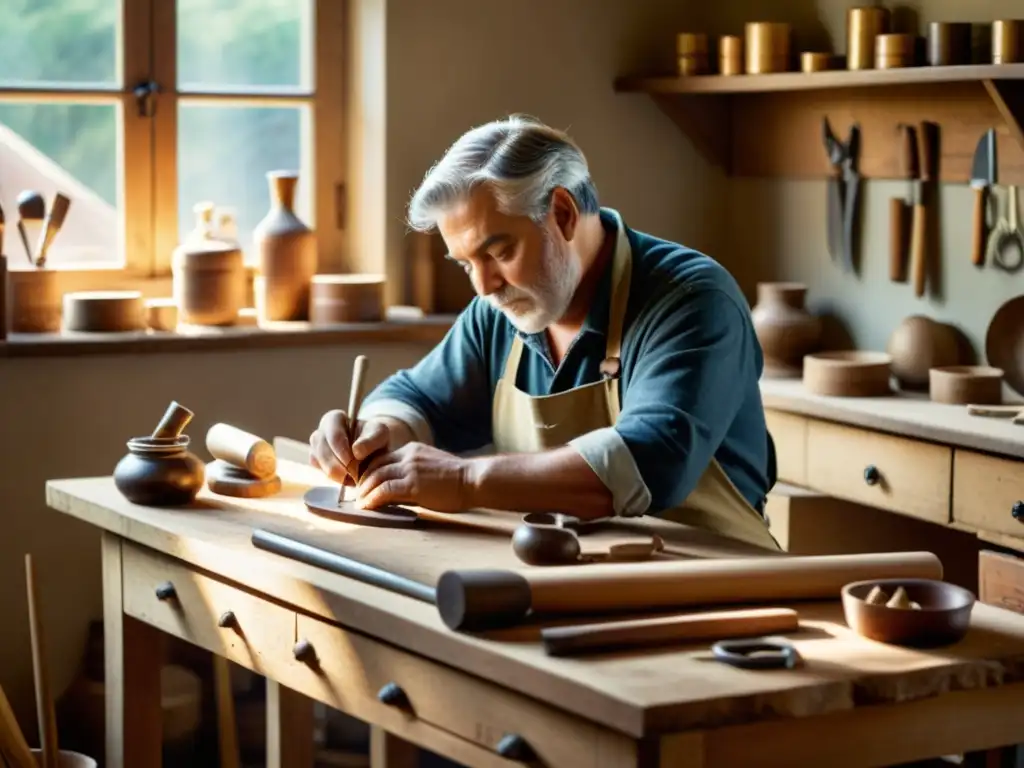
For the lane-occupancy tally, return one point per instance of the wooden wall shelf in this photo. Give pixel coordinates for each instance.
(770, 125)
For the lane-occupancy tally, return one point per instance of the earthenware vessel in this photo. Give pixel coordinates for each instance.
(286, 255)
(919, 344)
(784, 328)
(160, 472)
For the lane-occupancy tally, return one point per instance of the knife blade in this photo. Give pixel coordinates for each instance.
(983, 176)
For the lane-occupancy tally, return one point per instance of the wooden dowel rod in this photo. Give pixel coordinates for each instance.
(484, 599)
(40, 671)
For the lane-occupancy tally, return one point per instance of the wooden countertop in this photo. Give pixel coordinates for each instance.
(911, 415)
(637, 693)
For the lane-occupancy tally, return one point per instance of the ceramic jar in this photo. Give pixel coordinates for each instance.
(286, 255)
(209, 282)
(919, 344)
(160, 472)
(784, 328)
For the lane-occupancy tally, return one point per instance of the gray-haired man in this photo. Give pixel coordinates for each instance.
(613, 372)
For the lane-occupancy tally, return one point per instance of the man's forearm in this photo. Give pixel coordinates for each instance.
(557, 480)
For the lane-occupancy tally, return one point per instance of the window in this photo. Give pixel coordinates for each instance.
(137, 110)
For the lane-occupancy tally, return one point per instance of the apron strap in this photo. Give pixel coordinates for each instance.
(512, 361)
(621, 270)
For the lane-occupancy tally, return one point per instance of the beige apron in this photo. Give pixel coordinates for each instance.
(523, 424)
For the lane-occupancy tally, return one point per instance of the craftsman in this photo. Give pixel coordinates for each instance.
(600, 371)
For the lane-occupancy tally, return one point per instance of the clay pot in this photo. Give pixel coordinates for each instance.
(784, 328)
(286, 253)
(160, 472)
(919, 344)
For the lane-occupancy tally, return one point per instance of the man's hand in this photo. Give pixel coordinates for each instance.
(415, 474)
(331, 451)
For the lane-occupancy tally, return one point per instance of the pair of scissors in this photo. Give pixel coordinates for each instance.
(1005, 235)
(757, 653)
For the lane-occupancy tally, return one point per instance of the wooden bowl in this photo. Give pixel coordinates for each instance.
(1004, 342)
(104, 311)
(963, 384)
(848, 373)
(943, 618)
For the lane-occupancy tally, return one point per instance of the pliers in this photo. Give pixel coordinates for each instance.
(843, 189)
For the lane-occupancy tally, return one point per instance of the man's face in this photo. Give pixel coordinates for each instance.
(528, 271)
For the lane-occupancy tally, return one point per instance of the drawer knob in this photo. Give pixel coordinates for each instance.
(227, 619)
(514, 747)
(393, 695)
(165, 591)
(1018, 511)
(304, 651)
(871, 474)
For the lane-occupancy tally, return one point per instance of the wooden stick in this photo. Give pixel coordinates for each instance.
(355, 400)
(491, 598)
(44, 702)
(12, 741)
(615, 635)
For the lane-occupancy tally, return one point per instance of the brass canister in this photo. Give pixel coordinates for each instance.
(767, 47)
(815, 61)
(692, 53)
(730, 55)
(1006, 41)
(893, 51)
(863, 25)
(949, 43)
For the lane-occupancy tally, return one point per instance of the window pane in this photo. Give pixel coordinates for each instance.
(67, 148)
(227, 43)
(46, 42)
(224, 154)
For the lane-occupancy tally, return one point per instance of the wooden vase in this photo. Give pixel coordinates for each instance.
(286, 253)
(784, 328)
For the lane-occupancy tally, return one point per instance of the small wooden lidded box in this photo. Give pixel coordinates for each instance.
(346, 299)
(893, 51)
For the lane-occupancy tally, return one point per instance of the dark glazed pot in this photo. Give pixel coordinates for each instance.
(160, 472)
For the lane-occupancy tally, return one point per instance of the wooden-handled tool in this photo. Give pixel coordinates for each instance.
(50, 757)
(13, 746)
(51, 226)
(983, 177)
(484, 599)
(636, 633)
(927, 160)
(900, 209)
(355, 400)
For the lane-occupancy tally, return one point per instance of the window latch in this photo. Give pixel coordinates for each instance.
(145, 94)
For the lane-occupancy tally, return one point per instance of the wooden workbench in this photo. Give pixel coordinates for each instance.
(183, 571)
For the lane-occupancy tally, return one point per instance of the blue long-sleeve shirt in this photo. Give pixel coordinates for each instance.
(688, 381)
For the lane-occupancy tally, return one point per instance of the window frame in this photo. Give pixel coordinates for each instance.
(148, 180)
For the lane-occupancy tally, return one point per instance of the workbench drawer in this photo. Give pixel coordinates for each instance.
(378, 683)
(899, 474)
(1001, 580)
(226, 620)
(789, 433)
(987, 492)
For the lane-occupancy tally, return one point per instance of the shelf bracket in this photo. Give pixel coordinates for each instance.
(706, 120)
(1008, 97)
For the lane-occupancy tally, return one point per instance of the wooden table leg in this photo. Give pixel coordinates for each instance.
(389, 751)
(132, 661)
(289, 728)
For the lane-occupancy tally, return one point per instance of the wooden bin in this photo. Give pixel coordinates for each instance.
(34, 301)
(346, 298)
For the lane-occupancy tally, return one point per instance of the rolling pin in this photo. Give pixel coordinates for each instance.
(616, 635)
(242, 449)
(492, 598)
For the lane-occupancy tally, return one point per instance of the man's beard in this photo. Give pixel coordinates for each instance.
(533, 309)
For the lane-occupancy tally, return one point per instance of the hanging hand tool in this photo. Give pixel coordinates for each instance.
(900, 208)
(983, 176)
(843, 189)
(927, 163)
(1006, 236)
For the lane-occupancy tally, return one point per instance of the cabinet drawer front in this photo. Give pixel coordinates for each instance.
(260, 637)
(985, 490)
(1001, 580)
(789, 433)
(351, 670)
(894, 473)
